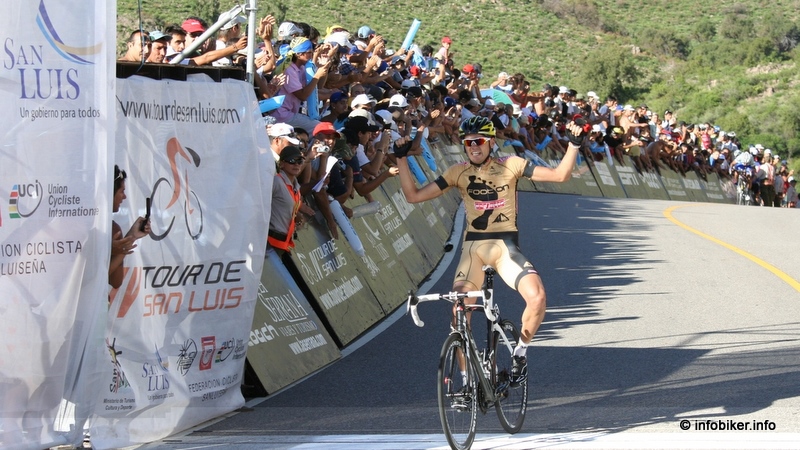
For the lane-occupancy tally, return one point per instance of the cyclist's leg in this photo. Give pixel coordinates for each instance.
(469, 277)
(519, 274)
(469, 272)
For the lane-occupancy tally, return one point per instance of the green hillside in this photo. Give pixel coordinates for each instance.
(729, 63)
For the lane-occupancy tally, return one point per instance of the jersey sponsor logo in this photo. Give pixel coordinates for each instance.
(501, 218)
(490, 205)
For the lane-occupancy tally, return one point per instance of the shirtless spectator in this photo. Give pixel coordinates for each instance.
(138, 47)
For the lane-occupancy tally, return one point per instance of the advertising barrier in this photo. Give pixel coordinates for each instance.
(693, 187)
(328, 268)
(287, 341)
(608, 179)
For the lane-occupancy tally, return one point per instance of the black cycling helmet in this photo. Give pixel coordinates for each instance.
(476, 125)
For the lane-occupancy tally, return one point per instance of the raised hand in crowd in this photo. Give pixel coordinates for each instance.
(265, 28)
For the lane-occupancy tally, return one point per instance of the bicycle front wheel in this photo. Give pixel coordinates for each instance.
(458, 409)
(512, 400)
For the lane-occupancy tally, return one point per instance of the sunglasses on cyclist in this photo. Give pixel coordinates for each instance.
(475, 141)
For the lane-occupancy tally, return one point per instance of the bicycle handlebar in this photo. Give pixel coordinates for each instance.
(452, 297)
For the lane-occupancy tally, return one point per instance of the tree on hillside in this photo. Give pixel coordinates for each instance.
(610, 71)
(737, 24)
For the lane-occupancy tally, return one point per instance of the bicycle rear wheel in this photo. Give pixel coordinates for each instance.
(512, 401)
(458, 409)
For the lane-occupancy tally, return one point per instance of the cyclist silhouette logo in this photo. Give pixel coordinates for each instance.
(167, 193)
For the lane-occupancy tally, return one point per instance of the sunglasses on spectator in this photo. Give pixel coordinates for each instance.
(296, 161)
(475, 141)
(122, 175)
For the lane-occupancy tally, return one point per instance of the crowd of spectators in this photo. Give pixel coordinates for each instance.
(356, 100)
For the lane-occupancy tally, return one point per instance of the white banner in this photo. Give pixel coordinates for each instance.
(56, 106)
(179, 325)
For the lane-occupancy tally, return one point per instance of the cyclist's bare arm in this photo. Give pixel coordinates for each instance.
(410, 190)
(563, 171)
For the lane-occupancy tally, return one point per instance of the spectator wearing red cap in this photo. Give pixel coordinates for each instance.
(443, 55)
(205, 54)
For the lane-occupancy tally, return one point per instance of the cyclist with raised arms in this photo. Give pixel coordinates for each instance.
(488, 186)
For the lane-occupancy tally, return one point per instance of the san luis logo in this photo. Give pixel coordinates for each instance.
(39, 76)
(68, 52)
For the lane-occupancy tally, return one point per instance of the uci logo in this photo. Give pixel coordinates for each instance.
(174, 197)
(24, 200)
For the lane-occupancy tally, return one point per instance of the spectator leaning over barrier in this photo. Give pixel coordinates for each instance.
(205, 54)
(614, 140)
(138, 47)
(177, 42)
(286, 199)
(194, 28)
(159, 42)
(358, 133)
(227, 36)
(297, 89)
(488, 189)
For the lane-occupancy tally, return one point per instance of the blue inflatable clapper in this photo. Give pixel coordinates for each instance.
(428, 156)
(271, 104)
(542, 145)
(416, 170)
(412, 33)
(535, 159)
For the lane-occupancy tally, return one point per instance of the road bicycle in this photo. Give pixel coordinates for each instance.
(472, 377)
(744, 195)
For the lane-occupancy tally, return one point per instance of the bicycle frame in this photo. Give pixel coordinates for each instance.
(492, 312)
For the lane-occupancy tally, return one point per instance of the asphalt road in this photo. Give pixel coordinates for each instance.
(653, 319)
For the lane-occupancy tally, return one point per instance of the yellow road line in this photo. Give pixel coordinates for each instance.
(780, 274)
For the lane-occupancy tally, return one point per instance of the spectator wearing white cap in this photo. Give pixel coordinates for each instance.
(503, 82)
(228, 35)
(280, 135)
